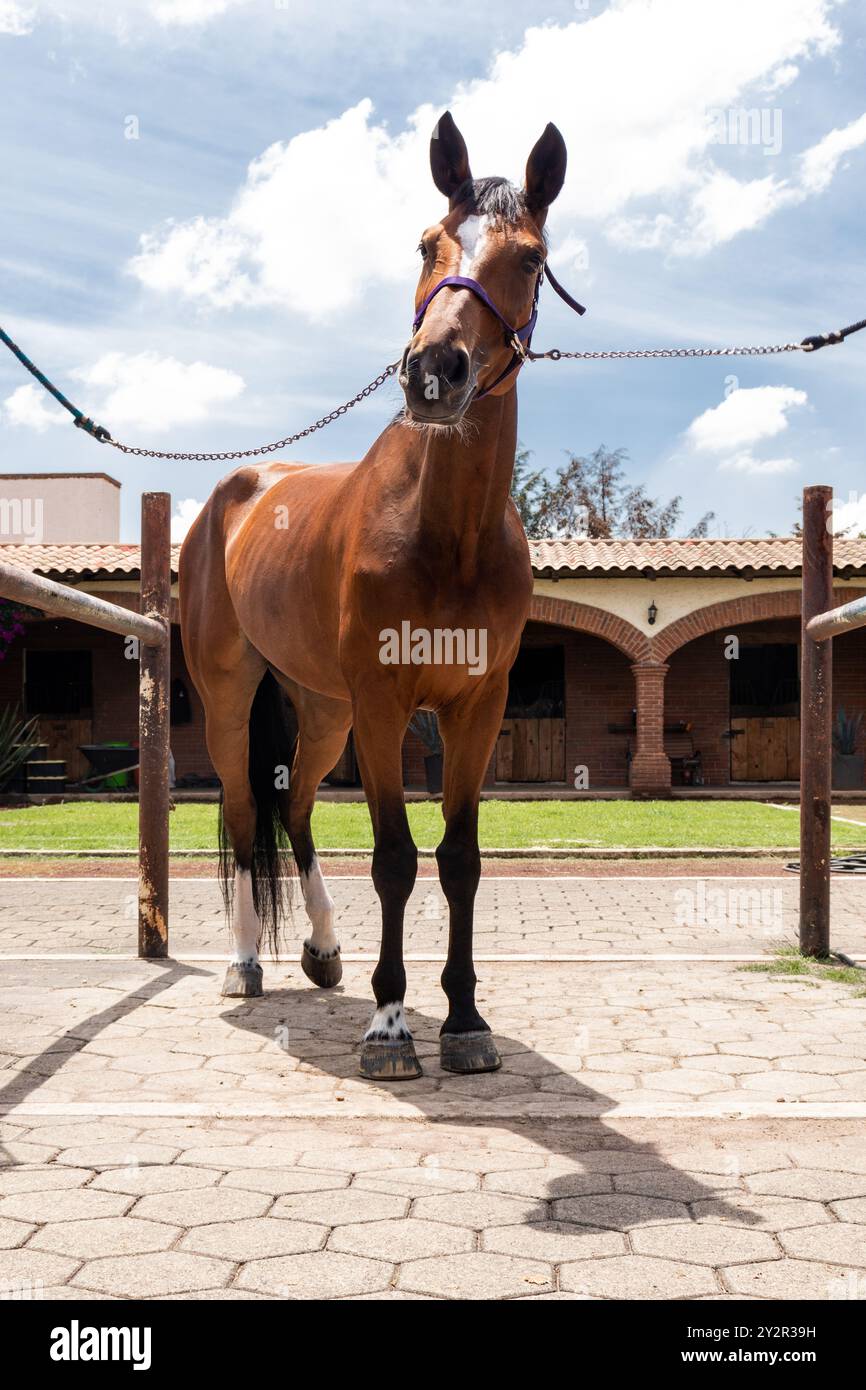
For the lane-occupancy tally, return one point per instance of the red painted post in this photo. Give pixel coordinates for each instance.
(816, 700)
(153, 728)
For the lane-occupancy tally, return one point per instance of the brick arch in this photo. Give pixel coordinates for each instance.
(752, 608)
(586, 618)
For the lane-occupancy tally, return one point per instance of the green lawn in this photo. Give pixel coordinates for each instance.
(504, 825)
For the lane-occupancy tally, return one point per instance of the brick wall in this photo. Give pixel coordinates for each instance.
(697, 689)
(849, 677)
(115, 687)
(599, 690)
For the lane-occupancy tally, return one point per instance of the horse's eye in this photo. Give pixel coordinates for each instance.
(532, 265)
(423, 250)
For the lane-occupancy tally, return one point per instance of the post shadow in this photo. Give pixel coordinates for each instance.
(50, 1060)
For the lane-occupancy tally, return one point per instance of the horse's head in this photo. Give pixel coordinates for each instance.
(463, 340)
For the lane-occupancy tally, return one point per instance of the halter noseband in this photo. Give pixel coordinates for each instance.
(518, 339)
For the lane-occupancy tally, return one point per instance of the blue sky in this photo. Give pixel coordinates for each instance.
(211, 208)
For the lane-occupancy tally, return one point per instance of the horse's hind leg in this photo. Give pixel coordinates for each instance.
(323, 725)
(228, 702)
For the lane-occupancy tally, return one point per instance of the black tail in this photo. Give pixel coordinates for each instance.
(271, 753)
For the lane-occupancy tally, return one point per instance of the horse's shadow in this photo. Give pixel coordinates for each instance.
(606, 1179)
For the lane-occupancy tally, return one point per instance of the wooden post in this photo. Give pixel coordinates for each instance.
(816, 700)
(153, 728)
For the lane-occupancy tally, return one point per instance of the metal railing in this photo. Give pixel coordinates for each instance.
(152, 626)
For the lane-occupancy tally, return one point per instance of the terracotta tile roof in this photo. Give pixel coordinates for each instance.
(78, 561)
(769, 556)
(779, 557)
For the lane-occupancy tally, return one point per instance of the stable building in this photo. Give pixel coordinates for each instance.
(645, 667)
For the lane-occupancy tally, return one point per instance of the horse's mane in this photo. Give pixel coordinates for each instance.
(496, 198)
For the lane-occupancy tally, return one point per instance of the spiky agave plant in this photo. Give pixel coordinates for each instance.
(425, 724)
(18, 738)
(847, 731)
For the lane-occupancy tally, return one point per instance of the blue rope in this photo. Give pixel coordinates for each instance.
(82, 421)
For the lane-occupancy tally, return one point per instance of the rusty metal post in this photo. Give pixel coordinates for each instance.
(816, 698)
(153, 728)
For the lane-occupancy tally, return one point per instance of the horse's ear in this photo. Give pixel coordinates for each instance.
(449, 159)
(545, 171)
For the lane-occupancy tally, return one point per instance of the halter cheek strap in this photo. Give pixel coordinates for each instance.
(518, 339)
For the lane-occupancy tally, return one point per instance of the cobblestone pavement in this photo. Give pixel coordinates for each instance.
(560, 916)
(659, 1128)
(248, 1209)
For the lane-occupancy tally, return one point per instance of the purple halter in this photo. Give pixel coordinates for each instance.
(518, 339)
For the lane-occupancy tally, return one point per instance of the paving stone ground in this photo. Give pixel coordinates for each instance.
(557, 916)
(659, 1129)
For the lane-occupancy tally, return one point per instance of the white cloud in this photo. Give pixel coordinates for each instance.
(186, 511)
(138, 390)
(185, 12)
(28, 406)
(819, 164)
(16, 19)
(746, 462)
(148, 391)
(724, 206)
(335, 210)
(849, 518)
(744, 417)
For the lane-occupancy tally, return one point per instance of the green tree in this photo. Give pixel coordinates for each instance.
(527, 487)
(590, 496)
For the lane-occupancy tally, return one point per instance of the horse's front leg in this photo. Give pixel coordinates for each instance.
(387, 1052)
(469, 732)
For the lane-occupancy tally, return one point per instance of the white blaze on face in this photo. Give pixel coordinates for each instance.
(472, 235)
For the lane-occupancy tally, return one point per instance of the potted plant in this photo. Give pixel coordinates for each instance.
(847, 762)
(426, 726)
(18, 739)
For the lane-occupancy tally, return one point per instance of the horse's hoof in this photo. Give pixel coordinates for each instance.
(389, 1061)
(242, 982)
(324, 971)
(468, 1052)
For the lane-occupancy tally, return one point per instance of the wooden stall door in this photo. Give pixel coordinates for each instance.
(531, 750)
(64, 737)
(765, 750)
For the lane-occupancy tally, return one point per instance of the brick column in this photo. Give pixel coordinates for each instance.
(650, 768)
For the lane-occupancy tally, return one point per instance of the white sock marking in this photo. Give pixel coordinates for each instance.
(245, 921)
(388, 1024)
(320, 910)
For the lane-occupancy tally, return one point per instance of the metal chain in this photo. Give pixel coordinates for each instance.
(263, 448)
(556, 354)
(552, 355)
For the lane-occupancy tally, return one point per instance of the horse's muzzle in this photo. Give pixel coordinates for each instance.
(437, 382)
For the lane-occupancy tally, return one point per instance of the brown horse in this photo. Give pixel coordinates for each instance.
(367, 591)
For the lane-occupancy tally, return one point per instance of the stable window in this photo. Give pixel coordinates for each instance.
(58, 682)
(765, 681)
(536, 684)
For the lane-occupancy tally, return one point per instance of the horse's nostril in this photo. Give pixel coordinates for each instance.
(455, 367)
